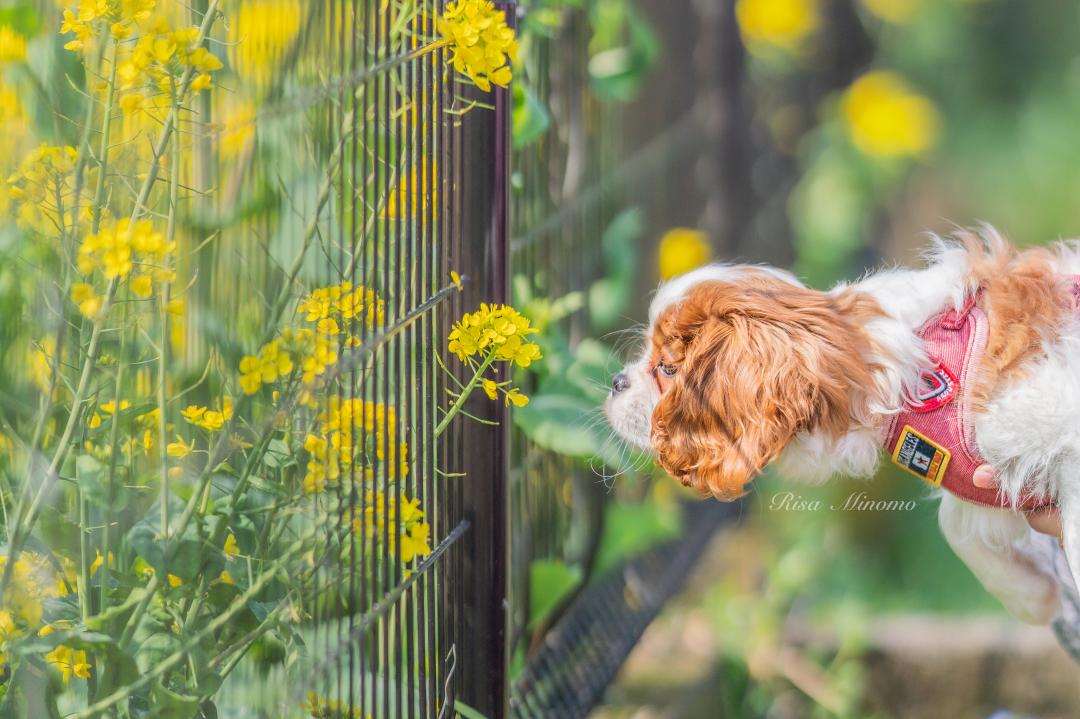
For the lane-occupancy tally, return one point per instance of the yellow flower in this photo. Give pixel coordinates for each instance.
(43, 174)
(322, 708)
(682, 250)
(206, 418)
(142, 286)
(70, 662)
(272, 362)
(231, 549)
(175, 581)
(781, 24)
(261, 32)
(237, 127)
(456, 279)
(201, 82)
(415, 193)
(193, 413)
(149, 419)
(12, 45)
(116, 246)
(415, 542)
(7, 625)
(131, 103)
(886, 119)
(491, 389)
(11, 110)
(110, 406)
(179, 449)
(481, 44)
(75, 24)
(226, 578)
(89, 304)
(516, 398)
(498, 327)
(98, 561)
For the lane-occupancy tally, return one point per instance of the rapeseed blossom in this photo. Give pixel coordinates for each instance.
(482, 45)
(398, 519)
(347, 422)
(498, 328)
(42, 179)
(885, 118)
(12, 45)
(681, 250)
(70, 662)
(261, 32)
(782, 24)
(323, 708)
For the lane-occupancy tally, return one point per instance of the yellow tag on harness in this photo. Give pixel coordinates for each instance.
(921, 456)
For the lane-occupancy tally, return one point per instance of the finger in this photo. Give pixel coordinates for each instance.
(984, 477)
(1046, 521)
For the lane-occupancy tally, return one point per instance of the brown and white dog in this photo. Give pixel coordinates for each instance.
(744, 366)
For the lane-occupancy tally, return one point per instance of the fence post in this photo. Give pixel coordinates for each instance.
(482, 249)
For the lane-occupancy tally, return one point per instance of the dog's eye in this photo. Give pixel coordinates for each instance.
(668, 370)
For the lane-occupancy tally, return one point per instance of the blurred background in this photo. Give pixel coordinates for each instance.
(644, 138)
(845, 132)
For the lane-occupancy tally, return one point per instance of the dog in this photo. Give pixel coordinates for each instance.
(973, 360)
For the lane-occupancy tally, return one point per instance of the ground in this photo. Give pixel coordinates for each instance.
(918, 666)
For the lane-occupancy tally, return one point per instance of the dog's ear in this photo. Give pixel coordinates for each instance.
(753, 367)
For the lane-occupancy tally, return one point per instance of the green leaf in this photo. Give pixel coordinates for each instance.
(278, 455)
(143, 538)
(609, 298)
(530, 118)
(92, 476)
(168, 704)
(155, 649)
(22, 18)
(550, 580)
(76, 638)
(616, 70)
(630, 529)
(591, 369)
(467, 712)
(558, 422)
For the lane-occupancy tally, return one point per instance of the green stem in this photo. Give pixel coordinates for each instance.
(103, 148)
(238, 605)
(170, 237)
(84, 559)
(456, 407)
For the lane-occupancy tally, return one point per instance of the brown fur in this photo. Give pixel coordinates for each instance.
(1025, 304)
(758, 362)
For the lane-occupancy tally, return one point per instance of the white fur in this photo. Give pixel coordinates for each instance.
(1030, 433)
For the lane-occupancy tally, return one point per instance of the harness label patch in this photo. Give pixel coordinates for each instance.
(918, 454)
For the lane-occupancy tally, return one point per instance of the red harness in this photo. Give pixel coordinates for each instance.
(932, 437)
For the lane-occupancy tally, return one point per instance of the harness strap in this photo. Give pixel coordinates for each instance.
(933, 436)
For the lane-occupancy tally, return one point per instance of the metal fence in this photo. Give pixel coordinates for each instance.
(427, 163)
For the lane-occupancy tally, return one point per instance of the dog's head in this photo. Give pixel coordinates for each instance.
(738, 361)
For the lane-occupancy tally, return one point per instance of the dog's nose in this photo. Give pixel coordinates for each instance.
(620, 383)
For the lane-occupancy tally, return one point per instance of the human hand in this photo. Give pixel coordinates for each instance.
(1046, 520)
